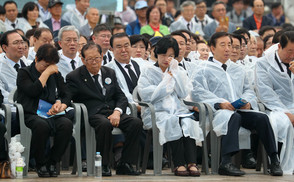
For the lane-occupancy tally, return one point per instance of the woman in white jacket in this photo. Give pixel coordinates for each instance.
(164, 85)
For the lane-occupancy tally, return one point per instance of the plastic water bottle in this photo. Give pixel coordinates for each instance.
(19, 168)
(98, 165)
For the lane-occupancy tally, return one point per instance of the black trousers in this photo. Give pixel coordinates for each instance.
(183, 151)
(130, 126)
(251, 121)
(41, 131)
(3, 152)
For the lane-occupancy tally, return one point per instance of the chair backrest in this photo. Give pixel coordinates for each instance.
(136, 96)
(12, 95)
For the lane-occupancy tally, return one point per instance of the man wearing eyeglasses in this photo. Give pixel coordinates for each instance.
(41, 36)
(220, 23)
(13, 46)
(101, 36)
(97, 87)
(201, 18)
(68, 38)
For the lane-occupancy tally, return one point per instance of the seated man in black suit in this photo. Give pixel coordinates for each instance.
(96, 86)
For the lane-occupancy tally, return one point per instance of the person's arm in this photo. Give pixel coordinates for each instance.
(48, 71)
(264, 88)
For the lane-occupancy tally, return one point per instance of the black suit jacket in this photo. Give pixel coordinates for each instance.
(249, 23)
(50, 26)
(30, 89)
(1, 98)
(83, 90)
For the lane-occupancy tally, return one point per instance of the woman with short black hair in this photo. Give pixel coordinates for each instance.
(164, 85)
(38, 85)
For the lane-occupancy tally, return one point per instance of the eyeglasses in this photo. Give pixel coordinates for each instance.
(82, 44)
(92, 60)
(104, 36)
(18, 42)
(68, 41)
(200, 7)
(46, 40)
(219, 10)
(236, 47)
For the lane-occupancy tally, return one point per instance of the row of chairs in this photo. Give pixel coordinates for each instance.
(205, 116)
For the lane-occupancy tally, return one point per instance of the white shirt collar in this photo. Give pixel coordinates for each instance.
(10, 22)
(185, 21)
(99, 73)
(12, 63)
(218, 62)
(79, 13)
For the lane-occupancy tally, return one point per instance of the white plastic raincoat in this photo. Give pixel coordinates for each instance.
(165, 93)
(275, 90)
(211, 84)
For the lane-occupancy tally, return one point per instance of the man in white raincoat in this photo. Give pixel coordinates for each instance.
(275, 88)
(219, 82)
(189, 66)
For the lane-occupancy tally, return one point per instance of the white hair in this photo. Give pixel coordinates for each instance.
(68, 28)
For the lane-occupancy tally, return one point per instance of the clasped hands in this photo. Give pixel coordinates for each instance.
(57, 108)
(229, 106)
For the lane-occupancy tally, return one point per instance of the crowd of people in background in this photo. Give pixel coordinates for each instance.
(237, 51)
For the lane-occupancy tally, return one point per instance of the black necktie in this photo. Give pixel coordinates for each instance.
(97, 82)
(13, 25)
(182, 65)
(132, 75)
(16, 67)
(188, 26)
(202, 24)
(224, 67)
(109, 57)
(104, 59)
(73, 64)
(288, 70)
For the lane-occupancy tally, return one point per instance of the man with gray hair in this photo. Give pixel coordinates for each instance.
(68, 38)
(92, 16)
(187, 21)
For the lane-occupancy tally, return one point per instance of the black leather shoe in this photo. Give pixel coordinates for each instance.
(52, 170)
(126, 169)
(230, 170)
(106, 171)
(43, 172)
(164, 162)
(275, 169)
(249, 162)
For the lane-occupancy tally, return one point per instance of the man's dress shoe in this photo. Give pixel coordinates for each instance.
(124, 168)
(230, 170)
(43, 172)
(275, 169)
